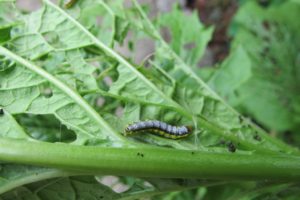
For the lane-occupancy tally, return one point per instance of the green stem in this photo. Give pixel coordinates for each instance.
(152, 162)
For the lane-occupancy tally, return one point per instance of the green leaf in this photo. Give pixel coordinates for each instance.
(169, 97)
(10, 128)
(4, 34)
(188, 36)
(269, 94)
(81, 187)
(99, 20)
(214, 109)
(30, 45)
(39, 34)
(232, 74)
(13, 176)
(45, 128)
(62, 103)
(7, 20)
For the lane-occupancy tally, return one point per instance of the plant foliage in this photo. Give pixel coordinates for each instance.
(66, 90)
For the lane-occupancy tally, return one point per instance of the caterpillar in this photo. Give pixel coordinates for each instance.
(159, 128)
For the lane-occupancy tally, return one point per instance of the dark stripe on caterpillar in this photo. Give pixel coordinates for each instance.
(1, 111)
(159, 128)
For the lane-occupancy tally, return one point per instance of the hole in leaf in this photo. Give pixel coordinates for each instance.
(45, 128)
(146, 62)
(47, 92)
(119, 111)
(189, 46)
(108, 81)
(6, 64)
(99, 20)
(100, 102)
(29, 5)
(114, 183)
(53, 39)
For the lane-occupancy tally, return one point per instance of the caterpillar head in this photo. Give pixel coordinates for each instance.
(189, 128)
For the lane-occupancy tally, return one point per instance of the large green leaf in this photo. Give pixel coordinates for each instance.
(266, 85)
(28, 97)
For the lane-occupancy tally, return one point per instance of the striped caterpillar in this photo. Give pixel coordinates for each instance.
(160, 128)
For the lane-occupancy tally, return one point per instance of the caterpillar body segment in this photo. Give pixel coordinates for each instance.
(159, 128)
